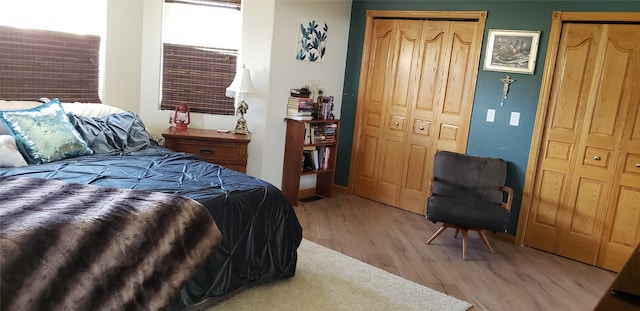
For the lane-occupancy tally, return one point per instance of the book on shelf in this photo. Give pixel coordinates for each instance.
(330, 133)
(300, 108)
(325, 107)
(318, 133)
(307, 134)
(315, 158)
(325, 157)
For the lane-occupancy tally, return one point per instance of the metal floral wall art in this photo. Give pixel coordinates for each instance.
(312, 41)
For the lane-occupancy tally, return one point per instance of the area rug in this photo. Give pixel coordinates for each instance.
(328, 280)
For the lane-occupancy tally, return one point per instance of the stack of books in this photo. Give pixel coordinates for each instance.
(325, 108)
(315, 133)
(330, 133)
(300, 108)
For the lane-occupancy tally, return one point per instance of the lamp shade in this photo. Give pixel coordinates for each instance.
(241, 84)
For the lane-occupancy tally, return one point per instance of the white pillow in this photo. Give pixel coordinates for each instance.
(91, 110)
(18, 104)
(9, 154)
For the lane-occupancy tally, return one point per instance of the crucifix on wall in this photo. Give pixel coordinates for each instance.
(505, 88)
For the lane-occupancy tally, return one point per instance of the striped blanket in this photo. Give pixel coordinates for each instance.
(70, 246)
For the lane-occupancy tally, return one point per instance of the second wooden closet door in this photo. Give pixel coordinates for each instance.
(586, 195)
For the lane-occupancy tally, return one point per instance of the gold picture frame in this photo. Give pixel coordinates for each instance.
(511, 51)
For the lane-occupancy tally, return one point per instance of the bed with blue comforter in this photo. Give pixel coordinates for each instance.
(260, 231)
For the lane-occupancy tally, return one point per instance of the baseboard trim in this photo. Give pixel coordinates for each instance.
(503, 237)
(341, 189)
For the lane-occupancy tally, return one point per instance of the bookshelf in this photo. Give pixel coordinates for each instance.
(306, 137)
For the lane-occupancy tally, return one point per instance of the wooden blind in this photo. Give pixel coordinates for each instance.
(40, 63)
(198, 77)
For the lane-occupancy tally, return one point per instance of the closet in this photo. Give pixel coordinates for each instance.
(582, 191)
(417, 82)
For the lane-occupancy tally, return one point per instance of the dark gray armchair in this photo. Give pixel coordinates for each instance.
(468, 194)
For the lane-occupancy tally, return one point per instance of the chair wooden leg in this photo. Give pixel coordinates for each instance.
(486, 242)
(435, 235)
(464, 243)
(465, 233)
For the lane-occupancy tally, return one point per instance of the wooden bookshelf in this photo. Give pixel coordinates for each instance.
(295, 145)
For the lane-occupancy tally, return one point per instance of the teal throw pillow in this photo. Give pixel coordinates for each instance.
(44, 134)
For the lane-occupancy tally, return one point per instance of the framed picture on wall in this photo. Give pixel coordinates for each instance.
(511, 51)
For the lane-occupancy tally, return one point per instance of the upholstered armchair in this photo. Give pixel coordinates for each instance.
(468, 193)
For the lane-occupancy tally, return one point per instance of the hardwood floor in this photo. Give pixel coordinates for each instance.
(514, 278)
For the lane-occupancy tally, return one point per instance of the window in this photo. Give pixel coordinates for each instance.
(200, 48)
(51, 49)
(41, 63)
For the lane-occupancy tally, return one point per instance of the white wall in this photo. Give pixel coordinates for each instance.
(287, 72)
(269, 36)
(122, 70)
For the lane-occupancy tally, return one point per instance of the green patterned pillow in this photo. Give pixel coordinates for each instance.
(44, 134)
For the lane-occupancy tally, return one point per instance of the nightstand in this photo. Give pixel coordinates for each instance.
(226, 149)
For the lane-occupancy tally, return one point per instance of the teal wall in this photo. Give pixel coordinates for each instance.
(497, 139)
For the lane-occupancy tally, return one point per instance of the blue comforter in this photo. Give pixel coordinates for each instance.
(260, 230)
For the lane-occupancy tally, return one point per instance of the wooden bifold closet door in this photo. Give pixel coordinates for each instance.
(417, 84)
(585, 198)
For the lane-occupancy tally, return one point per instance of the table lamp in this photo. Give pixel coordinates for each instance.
(240, 86)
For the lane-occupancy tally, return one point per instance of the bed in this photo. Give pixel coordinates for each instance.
(260, 232)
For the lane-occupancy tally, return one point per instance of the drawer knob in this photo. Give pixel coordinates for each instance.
(597, 158)
(421, 128)
(206, 151)
(637, 164)
(396, 123)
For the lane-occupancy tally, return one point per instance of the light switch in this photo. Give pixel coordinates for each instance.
(491, 115)
(515, 119)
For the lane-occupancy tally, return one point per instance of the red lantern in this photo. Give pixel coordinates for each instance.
(182, 116)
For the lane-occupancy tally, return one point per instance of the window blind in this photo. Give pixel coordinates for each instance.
(40, 63)
(198, 77)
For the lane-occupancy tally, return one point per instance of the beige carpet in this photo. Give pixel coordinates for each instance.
(328, 280)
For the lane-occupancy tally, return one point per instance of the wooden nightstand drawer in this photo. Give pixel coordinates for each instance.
(213, 152)
(226, 149)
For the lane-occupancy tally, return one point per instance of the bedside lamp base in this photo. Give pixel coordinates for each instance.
(241, 125)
